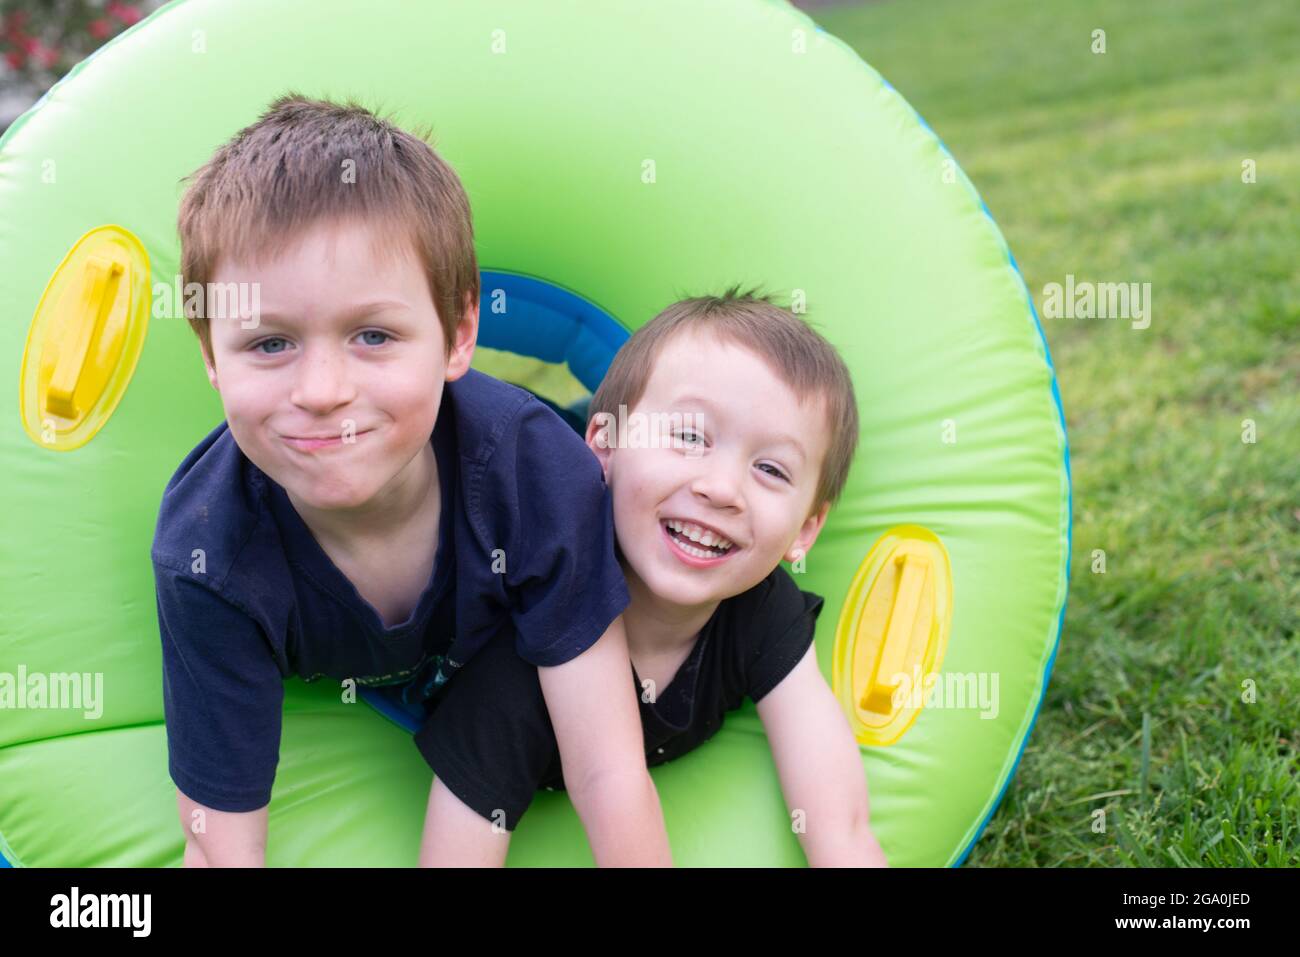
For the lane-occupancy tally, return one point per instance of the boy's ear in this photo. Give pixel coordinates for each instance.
(462, 351)
(210, 366)
(808, 533)
(600, 439)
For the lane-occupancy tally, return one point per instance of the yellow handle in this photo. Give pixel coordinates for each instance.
(899, 649)
(99, 286)
(892, 632)
(85, 339)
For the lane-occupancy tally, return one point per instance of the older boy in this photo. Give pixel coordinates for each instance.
(371, 508)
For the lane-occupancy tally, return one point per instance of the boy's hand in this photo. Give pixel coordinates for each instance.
(820, 766)
(593, 709)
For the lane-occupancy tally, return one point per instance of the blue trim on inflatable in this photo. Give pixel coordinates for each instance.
(3, 862)
(533, 317)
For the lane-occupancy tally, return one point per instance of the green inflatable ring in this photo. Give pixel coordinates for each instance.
(624, 154)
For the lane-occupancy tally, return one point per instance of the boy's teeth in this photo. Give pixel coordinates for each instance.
(697, 552)
(703, 536)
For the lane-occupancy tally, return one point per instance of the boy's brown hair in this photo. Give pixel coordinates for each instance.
(308, 162)
(795, 352)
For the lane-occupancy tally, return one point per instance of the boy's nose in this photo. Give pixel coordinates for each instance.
(718, 484)
(322, 382)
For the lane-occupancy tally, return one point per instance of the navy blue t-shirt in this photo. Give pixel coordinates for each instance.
(247, 598)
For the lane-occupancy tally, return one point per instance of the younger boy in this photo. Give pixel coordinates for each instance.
(747, 425)
(371, 508)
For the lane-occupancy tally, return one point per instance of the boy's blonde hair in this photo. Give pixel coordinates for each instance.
(309, 162)
(797, 354)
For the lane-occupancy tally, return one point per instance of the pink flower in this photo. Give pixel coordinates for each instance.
(101, 28)
(50, 56)
(16, 59)
(123, 11)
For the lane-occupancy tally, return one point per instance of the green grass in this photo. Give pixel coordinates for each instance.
(1126, 167)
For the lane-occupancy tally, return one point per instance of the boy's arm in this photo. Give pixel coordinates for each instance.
(455, 835)
(222, 701)
(567, 585)
(820, 766)
(593, 709)
(222, 838)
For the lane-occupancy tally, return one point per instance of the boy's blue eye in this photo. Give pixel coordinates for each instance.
(259, 345)
(690, 432)
(376, 332)
(775, 471)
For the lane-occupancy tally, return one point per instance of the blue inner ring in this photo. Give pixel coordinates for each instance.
(532, 317)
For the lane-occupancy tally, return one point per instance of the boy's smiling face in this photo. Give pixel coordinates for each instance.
(745, 462)
(347, 345)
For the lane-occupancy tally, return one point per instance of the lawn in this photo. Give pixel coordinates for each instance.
(1173, 706)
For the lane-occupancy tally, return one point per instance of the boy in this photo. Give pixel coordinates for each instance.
(371, 508)
(747, 424)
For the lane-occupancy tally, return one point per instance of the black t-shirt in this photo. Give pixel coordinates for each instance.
(488, 734)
